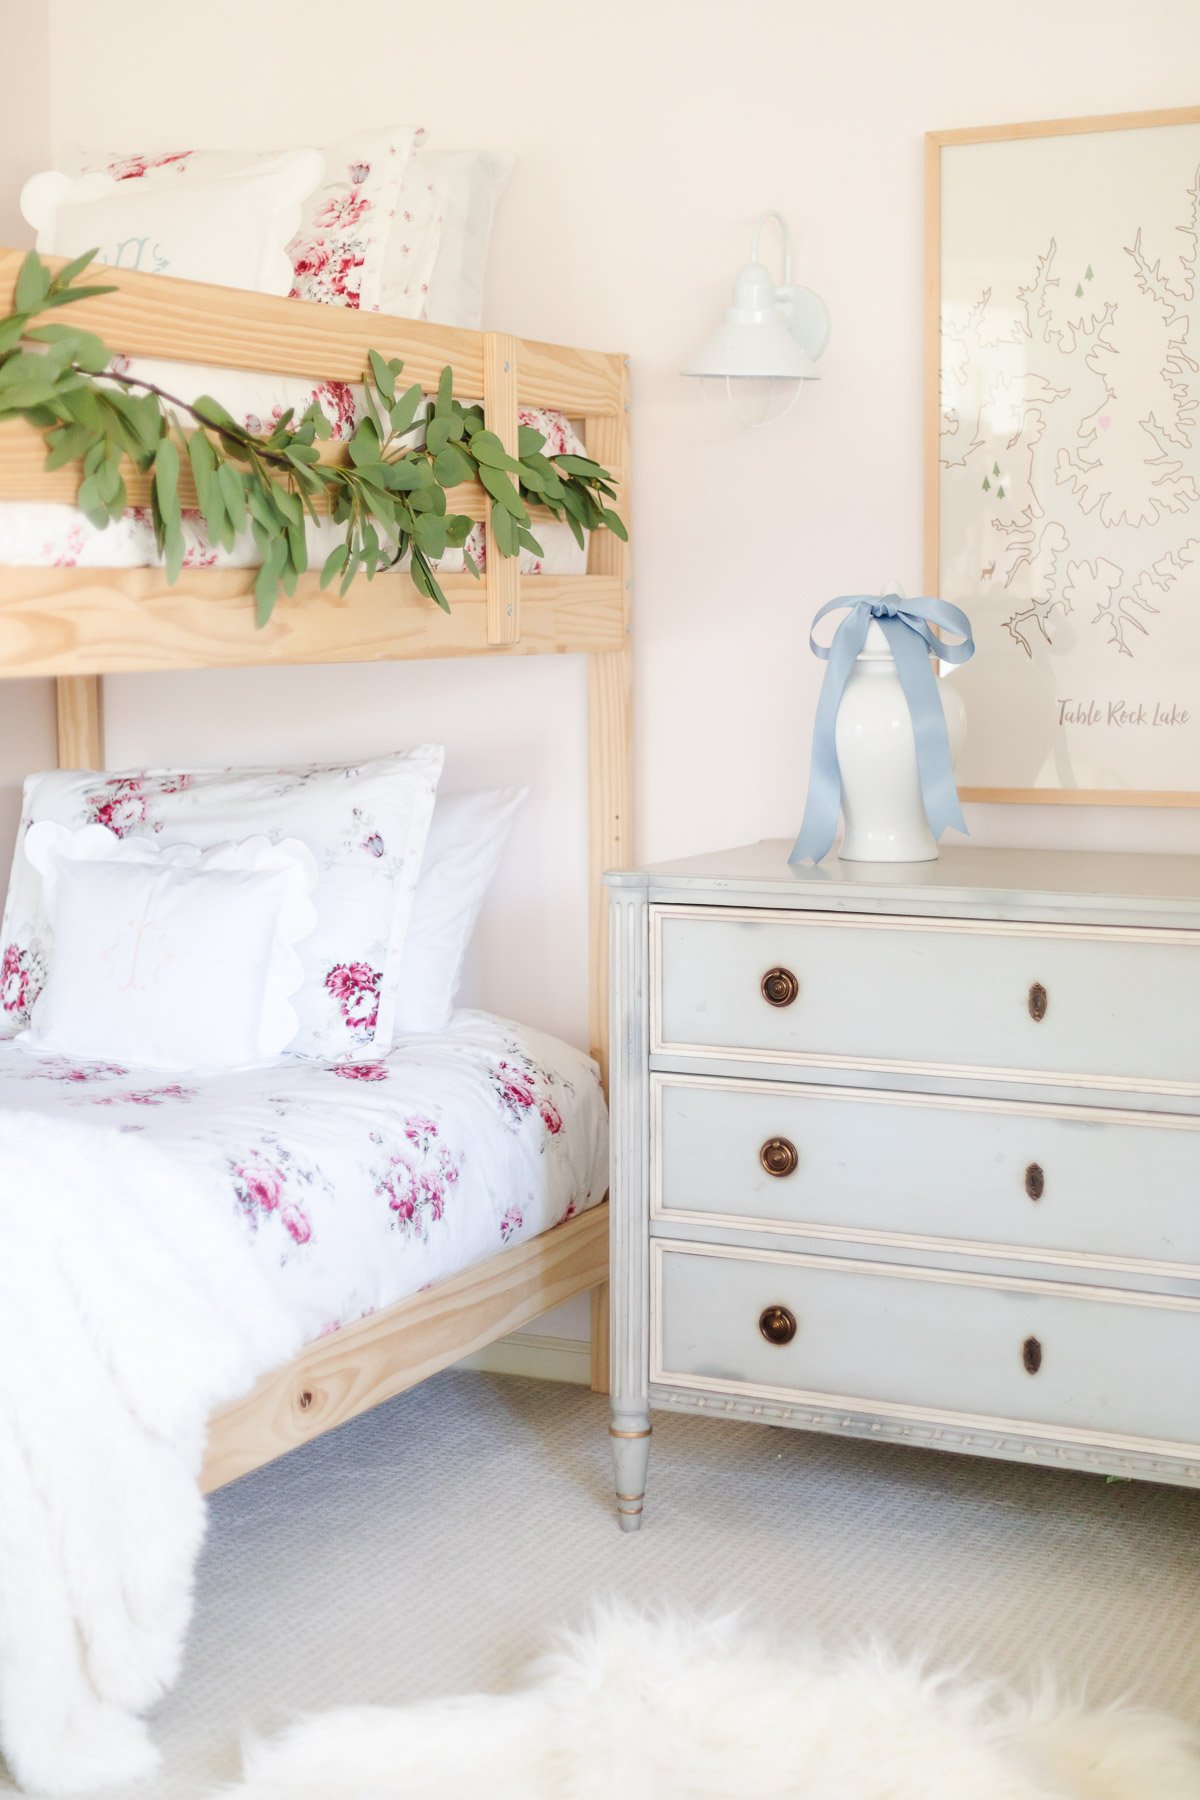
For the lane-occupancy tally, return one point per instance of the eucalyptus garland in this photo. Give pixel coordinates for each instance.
(389, 497)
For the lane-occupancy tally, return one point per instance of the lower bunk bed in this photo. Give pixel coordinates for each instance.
(199, 1273)
(446, 1180)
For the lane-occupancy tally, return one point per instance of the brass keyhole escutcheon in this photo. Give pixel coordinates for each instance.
(779, 987)
(1031, 1355)
(1038, 1001)
(778, 1156)
(1035, 1181)
(777, 1324)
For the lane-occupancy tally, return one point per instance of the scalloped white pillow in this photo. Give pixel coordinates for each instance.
(170, 957)
(230, 226)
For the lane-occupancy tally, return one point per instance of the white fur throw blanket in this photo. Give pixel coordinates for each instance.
(130, 1306)
(676, 1710)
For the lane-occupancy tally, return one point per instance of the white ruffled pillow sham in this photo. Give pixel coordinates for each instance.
(365, 824)
(470, 183)
(170, 957)
(462, 854)
(232, 226)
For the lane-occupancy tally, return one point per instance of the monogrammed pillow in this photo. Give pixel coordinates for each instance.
(365, 824)
(170, 958)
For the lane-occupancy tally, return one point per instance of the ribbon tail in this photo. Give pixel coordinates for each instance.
(935, 768)
(824, 804)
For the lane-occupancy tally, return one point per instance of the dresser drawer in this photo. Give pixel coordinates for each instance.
(1113, 1006)
(1118, 1366)
(1061, 1181)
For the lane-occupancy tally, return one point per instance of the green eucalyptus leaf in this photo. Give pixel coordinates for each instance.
(334, 563)
(33, 284)
(529, 441)
(383, 376)
(404, 412)
(70, 270)
(504, 493)
(451, 467)
(487, 448)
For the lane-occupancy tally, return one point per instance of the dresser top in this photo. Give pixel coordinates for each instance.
(1049, 884)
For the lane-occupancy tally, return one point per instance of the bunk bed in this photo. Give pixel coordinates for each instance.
(78, 624)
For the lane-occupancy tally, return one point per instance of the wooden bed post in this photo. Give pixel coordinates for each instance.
(503, 573)
(610, 777)
(80, 722)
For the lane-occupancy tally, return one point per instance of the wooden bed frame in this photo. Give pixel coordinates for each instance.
(77, 625)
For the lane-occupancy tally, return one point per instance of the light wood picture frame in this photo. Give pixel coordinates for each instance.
(1062, 451)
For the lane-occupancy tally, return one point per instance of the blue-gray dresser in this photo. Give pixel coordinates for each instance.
(910, 1152)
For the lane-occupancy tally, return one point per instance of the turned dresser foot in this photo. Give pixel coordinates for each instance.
(630, 1435)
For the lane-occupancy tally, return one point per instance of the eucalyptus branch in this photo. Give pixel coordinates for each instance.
(389, 497)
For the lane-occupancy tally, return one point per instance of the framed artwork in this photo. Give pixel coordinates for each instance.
(1062, 451)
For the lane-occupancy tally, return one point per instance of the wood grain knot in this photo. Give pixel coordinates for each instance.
(306, 1400)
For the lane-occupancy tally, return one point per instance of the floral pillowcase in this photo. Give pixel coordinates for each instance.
(370, 232)
(366, 826)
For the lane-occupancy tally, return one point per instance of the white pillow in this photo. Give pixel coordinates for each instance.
(230, 226)
(170, 958)
(471, 182)
(466, 842)
(365, 824)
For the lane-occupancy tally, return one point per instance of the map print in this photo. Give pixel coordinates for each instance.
(1069, 456)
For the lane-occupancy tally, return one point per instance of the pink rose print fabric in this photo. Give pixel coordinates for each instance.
(365, 824)
(358, 1183)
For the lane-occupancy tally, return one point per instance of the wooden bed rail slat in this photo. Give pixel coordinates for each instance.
(346, 1373)
(230, 328)
(108, 621)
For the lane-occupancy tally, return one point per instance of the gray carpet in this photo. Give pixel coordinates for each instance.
(425, 1548)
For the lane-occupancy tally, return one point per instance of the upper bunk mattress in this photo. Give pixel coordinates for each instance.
(359, 1183)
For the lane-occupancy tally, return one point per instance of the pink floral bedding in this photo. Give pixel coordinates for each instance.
(360, 1183)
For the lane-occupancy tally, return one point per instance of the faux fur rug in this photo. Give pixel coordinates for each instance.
(671, 1709)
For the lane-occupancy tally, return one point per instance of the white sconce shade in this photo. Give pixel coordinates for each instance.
(770, 333)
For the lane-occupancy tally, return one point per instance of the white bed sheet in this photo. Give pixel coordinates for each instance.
(358, 1184)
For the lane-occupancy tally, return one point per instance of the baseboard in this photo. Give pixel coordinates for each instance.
(530, 1353)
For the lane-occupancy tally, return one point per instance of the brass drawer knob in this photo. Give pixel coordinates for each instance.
(1031, 1355)
(1038, 1001)
(1035, 1181)
(777, 1324)
(779, 987)
(778, 1156)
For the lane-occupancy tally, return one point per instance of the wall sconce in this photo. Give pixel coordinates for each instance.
(771, 334)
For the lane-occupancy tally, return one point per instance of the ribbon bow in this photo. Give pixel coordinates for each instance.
(907, 625)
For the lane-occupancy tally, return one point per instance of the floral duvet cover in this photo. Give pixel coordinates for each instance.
(358, 1184)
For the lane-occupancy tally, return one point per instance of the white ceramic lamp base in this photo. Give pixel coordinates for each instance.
(884, 814)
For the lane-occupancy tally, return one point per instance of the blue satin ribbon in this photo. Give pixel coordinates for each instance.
(907, 625)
